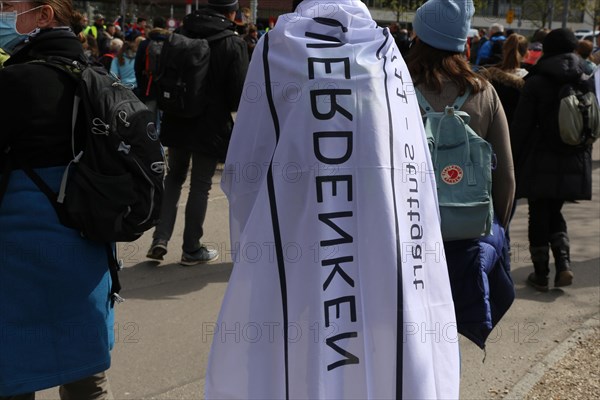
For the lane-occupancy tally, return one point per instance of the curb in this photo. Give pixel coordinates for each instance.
(532, 377)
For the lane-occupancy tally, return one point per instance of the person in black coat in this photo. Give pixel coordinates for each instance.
(55, 311)
(204, 139)
(548, 171)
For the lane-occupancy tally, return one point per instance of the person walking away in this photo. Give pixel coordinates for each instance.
(204, 139)
(442, 74)
(146, 65)
(548, 171)
(507, 77)
(341, 165)
(55, 310)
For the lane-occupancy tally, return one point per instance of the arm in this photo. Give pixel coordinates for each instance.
(114, 67)
(503, 177)
(524, 122)
(236, 75)
(484, 51)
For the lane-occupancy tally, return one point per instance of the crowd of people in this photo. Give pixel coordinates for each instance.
(512, 85)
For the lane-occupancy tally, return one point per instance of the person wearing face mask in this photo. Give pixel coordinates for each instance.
(56, 316)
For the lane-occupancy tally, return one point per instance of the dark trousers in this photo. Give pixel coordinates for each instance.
(545, 220)
(94, 387)
(203, 169)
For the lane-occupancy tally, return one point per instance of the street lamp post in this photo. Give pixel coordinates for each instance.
(253, 10)
(565, 16)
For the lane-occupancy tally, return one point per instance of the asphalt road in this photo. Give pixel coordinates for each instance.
(163, 328)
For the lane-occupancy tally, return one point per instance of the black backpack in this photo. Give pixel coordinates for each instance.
(112, 189)
(152, 63)
(183, 68)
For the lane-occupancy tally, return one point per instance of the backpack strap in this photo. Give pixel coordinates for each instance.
(458, 103)
(73, 69)
(423, 103)
(147, 69)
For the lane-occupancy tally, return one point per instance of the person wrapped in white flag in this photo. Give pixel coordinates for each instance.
(339, 288)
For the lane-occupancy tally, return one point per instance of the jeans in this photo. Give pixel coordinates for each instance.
(545, 220)
(203, 169)
(94, 387)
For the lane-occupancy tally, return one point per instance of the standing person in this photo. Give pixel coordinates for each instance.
(107, 58)
(123, 65)
(106, 36)
(97, 28)
(490, 52)
(251, 39)
(584, 50)
(55, 309)
(203, 140)
(442, 75)
(536, 47)
(549, 172)
(140, 26)
(339, 214)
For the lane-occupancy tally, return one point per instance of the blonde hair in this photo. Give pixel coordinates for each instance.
(115, 45)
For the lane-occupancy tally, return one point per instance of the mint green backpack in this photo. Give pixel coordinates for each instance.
(462, 162)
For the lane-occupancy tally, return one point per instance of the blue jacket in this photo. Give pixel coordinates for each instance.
(485, 55)
(56, 318)
(482, 287)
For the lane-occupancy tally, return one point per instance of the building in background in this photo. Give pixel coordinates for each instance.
(524, 16)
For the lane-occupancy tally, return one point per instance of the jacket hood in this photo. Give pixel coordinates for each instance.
(158, 34)
(204, 23)
(563, 68)
(506, 78)
(51, 42)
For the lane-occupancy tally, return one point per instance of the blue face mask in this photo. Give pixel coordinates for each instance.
(9, 37)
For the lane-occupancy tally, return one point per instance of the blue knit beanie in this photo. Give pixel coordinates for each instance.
(444, 24)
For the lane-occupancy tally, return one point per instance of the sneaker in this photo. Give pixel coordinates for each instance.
(200, 256)
(157, 250)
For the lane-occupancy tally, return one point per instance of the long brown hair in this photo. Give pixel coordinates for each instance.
(513, 50)
(430, 67)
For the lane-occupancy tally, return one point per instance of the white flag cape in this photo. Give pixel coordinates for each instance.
(339, 288)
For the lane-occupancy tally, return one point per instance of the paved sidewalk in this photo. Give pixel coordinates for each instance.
(163, 342)
(539, 327)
